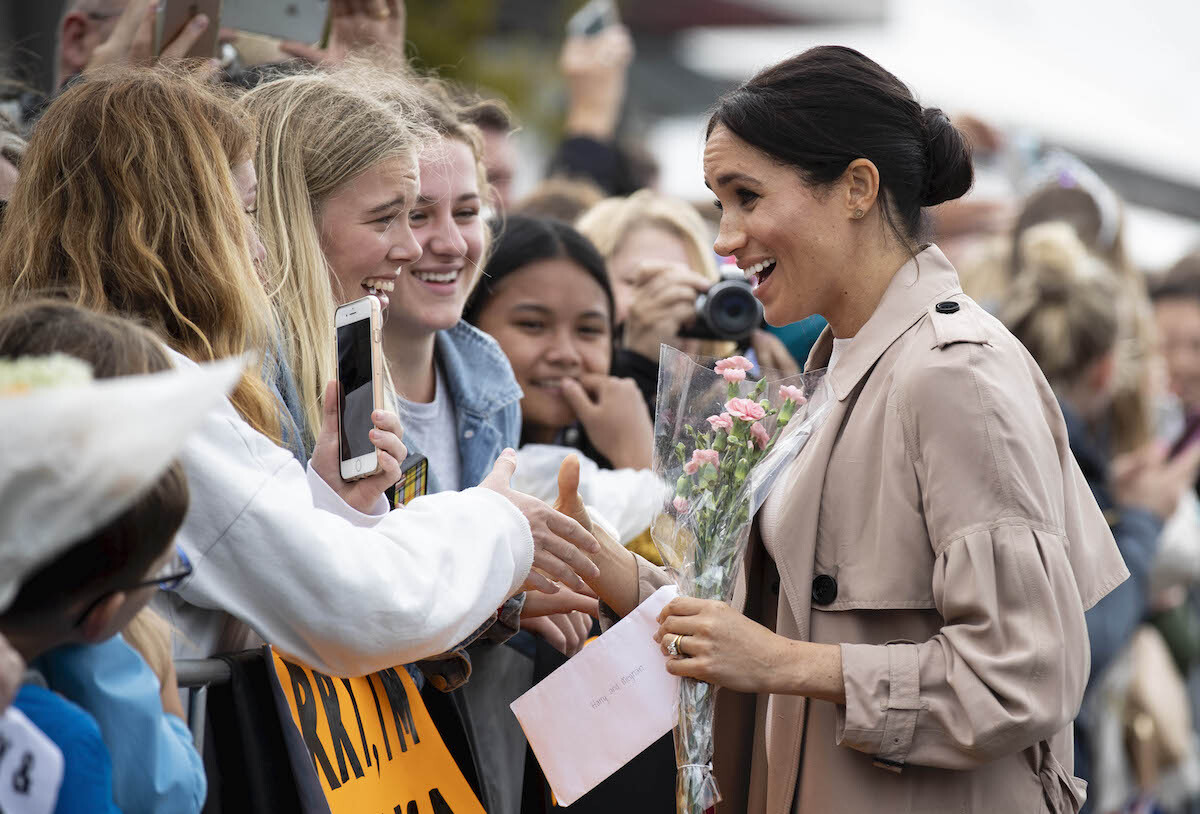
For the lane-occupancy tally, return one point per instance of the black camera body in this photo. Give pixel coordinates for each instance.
(728, 310)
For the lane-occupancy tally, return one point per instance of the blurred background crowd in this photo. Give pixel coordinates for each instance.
(1082, 234)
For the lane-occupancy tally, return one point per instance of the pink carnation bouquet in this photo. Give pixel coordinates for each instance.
(721, 438)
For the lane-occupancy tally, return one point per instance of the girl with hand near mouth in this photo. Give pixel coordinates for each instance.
(547, 300)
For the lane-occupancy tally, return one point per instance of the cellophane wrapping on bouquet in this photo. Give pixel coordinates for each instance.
(720, 441)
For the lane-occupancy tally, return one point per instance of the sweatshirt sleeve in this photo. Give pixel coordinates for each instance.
(345, 593)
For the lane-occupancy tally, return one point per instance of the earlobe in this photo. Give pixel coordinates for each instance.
(862, 187)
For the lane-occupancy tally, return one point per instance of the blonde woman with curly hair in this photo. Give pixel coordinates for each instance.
(134, 199)
(659, 255)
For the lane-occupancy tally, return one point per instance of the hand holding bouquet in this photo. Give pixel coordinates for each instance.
(720, 442)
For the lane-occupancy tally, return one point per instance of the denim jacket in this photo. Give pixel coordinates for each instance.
(487, 406)
(487, 401)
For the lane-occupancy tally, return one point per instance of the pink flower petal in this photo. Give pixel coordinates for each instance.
(720, 422)
(745, 409)
(734, 363)
(680, 504)
(792, 393)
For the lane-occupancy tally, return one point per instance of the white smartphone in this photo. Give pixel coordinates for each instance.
(359, 327)
(295, 20)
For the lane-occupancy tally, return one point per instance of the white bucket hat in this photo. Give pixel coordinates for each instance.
(74, 456)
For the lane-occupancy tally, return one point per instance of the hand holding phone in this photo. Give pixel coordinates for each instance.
(359, 451)
(353, 26)
(360, 387)
(595, 63)
(135, 39)
(187, 28)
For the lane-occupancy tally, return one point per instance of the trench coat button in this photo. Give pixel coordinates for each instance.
(824, 589)
(947, 307)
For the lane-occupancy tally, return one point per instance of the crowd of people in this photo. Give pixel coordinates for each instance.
(1004, 500)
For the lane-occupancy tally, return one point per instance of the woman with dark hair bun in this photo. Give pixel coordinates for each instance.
(908, 632)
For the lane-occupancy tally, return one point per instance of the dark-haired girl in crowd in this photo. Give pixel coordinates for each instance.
(909, 632)
(546, 298)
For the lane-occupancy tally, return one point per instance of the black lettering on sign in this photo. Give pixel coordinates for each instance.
(361, 733)
(401, 712)
(337, 730)
(440, 806)
(382, 726)
(21, 778)
(412, 807)
(306, 710)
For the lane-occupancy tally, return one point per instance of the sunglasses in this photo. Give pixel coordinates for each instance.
(167, 578)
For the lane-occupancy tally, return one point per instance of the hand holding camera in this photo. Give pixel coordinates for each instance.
(663, 302)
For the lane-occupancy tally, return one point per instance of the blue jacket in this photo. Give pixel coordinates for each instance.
(487, 407)
(487, 400)
(155, 766)
(87, 771)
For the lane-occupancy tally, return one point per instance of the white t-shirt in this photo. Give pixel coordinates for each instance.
(433, 428)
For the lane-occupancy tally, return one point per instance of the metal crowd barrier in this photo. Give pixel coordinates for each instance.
(195, 676)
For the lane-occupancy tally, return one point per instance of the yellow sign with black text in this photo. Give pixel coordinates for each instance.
(373, 745)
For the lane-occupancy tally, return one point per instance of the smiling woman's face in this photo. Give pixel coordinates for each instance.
(447, 223)
(777, 227)
(551, 318)
(365, 233)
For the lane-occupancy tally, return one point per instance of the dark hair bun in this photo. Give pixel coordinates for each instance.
(949, 173)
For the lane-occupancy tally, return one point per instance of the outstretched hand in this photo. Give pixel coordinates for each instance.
(559, 540)
(361, 494)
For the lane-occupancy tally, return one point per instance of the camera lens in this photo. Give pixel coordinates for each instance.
(731, 309)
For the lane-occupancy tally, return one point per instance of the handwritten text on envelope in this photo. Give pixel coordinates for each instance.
(603, 707)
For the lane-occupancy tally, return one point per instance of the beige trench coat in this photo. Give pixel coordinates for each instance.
(938, 528)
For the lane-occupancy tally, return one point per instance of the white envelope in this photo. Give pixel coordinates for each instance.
(603, 707)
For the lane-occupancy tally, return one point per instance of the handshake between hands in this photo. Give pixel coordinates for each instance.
(560, 604)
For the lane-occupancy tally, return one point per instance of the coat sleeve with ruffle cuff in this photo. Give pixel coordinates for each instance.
(1006, 671)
